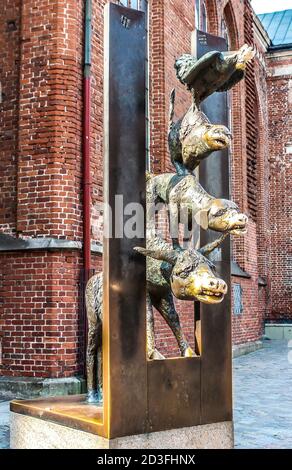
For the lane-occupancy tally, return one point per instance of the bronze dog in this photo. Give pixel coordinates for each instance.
(184, 195)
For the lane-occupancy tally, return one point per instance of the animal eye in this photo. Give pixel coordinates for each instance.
(185, 272)
(220, 212)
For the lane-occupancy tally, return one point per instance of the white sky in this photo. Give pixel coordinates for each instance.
(267, 6)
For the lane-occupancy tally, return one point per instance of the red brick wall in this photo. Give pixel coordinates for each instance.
(40, 328)
(246, 162)
(42, 186)
(280, 131)
(9, 106)
(49, 157)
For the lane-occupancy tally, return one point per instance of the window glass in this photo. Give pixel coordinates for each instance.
(135, 4)
(203, 17)
(224, 32)
(197, 14)
(237, 299)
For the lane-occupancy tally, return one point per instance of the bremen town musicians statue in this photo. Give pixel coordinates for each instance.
(174, 270)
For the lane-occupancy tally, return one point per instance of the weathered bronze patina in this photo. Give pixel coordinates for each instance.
(183, 273)
(141, 395)
(213, 324)
(72, 411)
(186, 274)
(193, 138)
(214, 72)
(185, 195)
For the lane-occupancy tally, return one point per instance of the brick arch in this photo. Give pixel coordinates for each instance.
(212, 15)
(230, 20)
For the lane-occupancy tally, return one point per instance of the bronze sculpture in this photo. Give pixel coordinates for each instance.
(186, 274)
(174, 271)
(193, 138)
(214, 72)
(184, 193)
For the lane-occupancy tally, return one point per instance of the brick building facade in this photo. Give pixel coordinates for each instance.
(41, 212)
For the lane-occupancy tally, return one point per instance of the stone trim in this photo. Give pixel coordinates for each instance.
(32, 387)
(246, 348)
(9, 243)
(237, 271)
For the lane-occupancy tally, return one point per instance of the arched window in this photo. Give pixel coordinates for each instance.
(224, 32)
(204, 24)
(197, 14)
(201, 20)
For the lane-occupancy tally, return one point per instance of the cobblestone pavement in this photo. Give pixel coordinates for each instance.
(4, 424)
(263, 397)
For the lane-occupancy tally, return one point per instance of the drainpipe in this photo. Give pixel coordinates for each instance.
(86, 143)
(86, 164)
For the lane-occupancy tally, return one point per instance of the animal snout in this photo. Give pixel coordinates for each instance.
(242, 218)
(217, 285)
(227, 132)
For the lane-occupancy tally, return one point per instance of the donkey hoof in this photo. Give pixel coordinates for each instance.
(188, 353)
(93, 397)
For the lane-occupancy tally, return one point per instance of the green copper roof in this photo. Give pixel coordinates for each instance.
(278, 26)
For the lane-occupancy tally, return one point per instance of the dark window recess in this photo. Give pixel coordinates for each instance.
(237, 299)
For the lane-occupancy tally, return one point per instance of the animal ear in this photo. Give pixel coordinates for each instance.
(201, 218)
(170, 256)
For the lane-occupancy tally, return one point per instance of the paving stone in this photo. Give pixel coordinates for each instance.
(4, 425)
(262, 398)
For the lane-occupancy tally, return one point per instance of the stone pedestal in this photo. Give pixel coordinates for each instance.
(71, 423)
(28, 432)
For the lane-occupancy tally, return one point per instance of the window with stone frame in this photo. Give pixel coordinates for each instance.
(201, 20)
(237, 299)
(224, 32)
